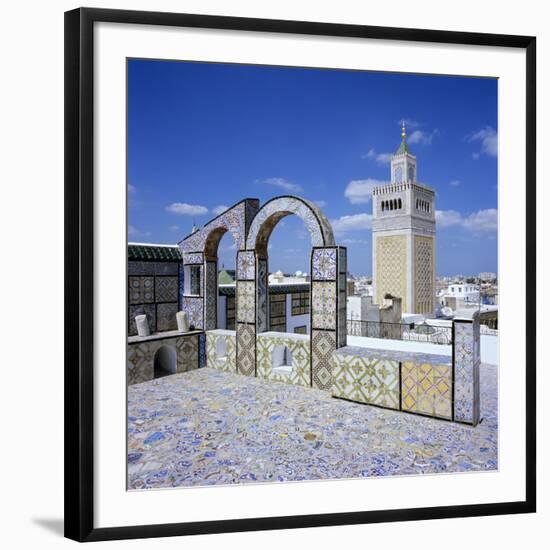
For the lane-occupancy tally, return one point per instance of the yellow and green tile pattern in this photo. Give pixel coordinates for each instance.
(371, 380)
(221, 350)
(298, 345)
(427, 389)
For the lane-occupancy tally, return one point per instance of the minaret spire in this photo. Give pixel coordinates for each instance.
(403, 147)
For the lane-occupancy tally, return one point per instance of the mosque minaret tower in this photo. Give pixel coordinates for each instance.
(403, 236)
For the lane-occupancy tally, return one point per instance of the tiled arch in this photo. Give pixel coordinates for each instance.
(328, 287)
(200, 250)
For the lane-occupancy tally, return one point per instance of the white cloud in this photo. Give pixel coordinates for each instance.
(282, 183)
(448, 218)
(454, 183)
(409, 123)
(186, 209)
(354, 241)
(321, 203)
(482, 221)
(425, 138)
(219, 209)
(354, 222)
(174, 228)
(135, 232)
(360, 191)
(380, 158)
(131, 188)
(488, 138)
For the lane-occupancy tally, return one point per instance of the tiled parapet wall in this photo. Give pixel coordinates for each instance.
(426, 388)
(221, 350)
(366, 378)
(411, 382)
(270, 346)
(141, 353)
(466, 355)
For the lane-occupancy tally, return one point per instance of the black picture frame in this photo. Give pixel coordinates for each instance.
(79, 269)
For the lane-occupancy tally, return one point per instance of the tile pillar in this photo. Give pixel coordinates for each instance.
(466, 363)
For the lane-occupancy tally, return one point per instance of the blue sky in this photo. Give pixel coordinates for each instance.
(203, 136)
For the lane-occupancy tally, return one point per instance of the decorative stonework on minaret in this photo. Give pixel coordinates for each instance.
(403, 236)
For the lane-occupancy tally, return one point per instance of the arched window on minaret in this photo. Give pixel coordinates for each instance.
(399, 202)
(382, 206)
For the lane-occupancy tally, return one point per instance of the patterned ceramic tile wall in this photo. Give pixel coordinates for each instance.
(300, 374)
(342, 297)
(323, 305)
(165, 268)
(166, 316)
(140, 363)
(193, 258)
(323, 263)
(246, 265)
(166, 289)
(141, 268)
(246, 349)
(187, 348)
(141, 290)
(180, 285)
(202, 350)
(262, 296)
(323, 344)
(246, 302)
(210, 295)
(467, 361)
(371, 380)
(427, 389)
(141, 356)
(194, 308)
(221, 350)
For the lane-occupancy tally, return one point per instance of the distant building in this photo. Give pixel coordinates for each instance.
(459, 296)
(278, 277)
(487, 276)
(288, 307)
(226, 276)
(403, 236)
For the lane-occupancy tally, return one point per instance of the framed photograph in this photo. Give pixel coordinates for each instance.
(300, 274)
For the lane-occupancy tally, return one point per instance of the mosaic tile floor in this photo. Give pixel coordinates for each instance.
(207, 427)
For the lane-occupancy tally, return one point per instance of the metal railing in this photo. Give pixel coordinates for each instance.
(401, 331)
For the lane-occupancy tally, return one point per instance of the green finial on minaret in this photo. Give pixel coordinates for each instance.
(403, 147)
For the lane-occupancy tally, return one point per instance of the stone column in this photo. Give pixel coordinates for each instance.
(246, 298)
(210, 294)
(466, 363)
(328, 311)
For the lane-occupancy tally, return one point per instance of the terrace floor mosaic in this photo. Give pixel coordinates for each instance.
(207, 427)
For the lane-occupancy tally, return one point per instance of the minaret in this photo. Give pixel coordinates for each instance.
(403, 236)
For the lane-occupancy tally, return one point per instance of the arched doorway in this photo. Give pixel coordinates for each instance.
(165, 362)
(200, 261)
(327, 292)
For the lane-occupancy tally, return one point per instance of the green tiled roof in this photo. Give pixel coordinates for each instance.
(226, 276)
(403, 148)
(142, 252)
